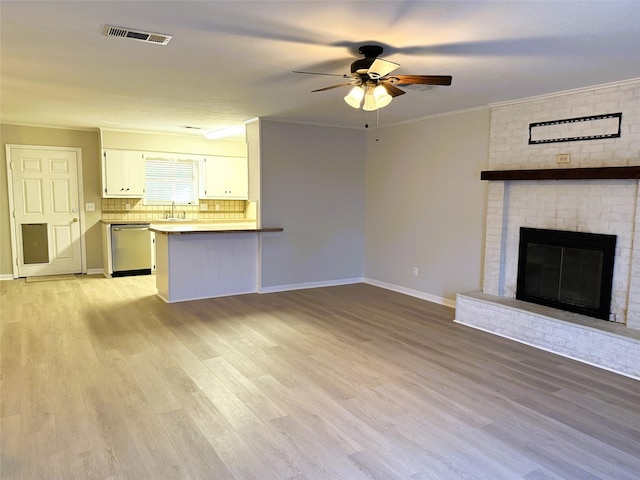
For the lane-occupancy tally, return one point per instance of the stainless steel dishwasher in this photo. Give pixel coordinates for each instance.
(131, 250)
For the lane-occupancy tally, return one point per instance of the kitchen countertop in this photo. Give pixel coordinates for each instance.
(195, 226)
(126, 222)
(188, 227)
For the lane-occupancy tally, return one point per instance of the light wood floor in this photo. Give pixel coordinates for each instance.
(102, 380)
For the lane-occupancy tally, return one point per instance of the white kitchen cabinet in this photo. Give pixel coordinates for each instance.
(122, 173)
(224, 177)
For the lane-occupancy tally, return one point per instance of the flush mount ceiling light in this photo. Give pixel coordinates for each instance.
(223, 132)
(124, 32)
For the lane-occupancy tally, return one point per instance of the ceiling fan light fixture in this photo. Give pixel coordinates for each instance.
(354, 97)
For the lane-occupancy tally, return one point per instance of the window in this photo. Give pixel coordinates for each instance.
(169, 180)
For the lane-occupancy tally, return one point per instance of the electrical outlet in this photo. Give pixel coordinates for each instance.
(563, 158)
(415, 271)
(127, 206)
(217, 207)
(90, 207)
(204, 206)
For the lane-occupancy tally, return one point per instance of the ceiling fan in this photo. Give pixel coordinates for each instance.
(373, 86)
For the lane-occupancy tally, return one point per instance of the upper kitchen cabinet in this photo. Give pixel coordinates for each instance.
(224, 177)
(122, 173)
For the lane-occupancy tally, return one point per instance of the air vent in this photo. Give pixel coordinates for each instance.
(148, 37)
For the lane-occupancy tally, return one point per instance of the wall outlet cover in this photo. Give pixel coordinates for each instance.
(204, 206)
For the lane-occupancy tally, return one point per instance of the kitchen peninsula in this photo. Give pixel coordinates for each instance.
(196, 261)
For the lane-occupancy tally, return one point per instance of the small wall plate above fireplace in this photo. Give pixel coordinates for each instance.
(572, 271)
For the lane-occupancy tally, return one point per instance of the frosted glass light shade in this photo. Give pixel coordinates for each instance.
(354, 97)
(369, 102)
(382, 96)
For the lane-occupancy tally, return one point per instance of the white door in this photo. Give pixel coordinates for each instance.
(46, 210)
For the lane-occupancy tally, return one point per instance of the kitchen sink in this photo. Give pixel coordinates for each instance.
(175, 220)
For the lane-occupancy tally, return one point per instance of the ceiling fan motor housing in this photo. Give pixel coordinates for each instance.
(370, 53)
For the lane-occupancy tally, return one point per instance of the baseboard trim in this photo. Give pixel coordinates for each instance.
(412, 293)
(303, 286)
(91, 271)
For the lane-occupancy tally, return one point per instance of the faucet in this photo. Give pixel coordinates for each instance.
(173, 207)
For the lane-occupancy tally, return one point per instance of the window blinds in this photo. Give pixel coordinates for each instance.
(169, 181)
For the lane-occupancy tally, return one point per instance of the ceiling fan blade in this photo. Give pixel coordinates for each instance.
(422, 79)
(318, 73)
(392, 89)
(333, 86)
(379, 68)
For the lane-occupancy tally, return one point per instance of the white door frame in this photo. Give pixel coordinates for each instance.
(12, 220)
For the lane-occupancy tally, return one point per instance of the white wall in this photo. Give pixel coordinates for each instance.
(312, 185)
(425, 205)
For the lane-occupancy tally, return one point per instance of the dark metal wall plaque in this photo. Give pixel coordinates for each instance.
(594, 127)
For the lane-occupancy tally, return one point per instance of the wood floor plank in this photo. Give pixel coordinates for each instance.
(100, 379)
(195, 452)
(239, 458)
(156, 455)
(196, 404)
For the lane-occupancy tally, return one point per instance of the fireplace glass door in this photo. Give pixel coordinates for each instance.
(567, 270)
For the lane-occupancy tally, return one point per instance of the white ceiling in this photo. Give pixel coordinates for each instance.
(230, 61)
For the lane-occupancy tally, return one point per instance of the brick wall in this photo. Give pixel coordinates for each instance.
(509, 148)
(601, 206)
(598, 206)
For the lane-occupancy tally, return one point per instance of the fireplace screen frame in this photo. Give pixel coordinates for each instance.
(606, 244)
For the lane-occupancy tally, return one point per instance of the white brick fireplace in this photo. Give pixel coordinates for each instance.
(608, 206)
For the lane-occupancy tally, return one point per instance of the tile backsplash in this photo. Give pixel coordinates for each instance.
(135, 209)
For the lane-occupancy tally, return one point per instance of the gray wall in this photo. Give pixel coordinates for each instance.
(312, 184)
(414, 195)
(425, 204)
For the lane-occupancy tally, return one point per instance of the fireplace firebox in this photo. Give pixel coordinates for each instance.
(571, 271)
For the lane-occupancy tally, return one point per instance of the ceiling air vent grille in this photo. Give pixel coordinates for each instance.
(148, 37)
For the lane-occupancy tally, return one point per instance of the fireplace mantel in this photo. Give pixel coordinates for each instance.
(598, 173)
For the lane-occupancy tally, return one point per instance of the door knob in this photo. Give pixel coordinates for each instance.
(75, 219)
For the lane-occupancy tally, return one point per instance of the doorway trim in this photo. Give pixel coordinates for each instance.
(12, 219)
